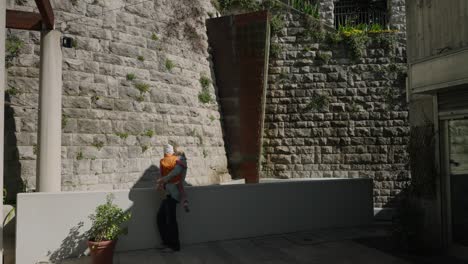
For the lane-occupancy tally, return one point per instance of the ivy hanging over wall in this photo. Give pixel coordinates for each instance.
(358, 37)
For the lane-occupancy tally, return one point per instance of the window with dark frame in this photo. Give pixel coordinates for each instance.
(355, 12)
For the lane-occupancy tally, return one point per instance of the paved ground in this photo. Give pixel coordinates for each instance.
(346, 246)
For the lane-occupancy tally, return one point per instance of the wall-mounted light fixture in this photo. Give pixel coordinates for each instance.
(67, 42)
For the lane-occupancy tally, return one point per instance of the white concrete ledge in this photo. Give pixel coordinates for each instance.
(48, 224)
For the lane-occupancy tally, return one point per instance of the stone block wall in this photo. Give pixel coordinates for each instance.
(131, 85)
(362, 128)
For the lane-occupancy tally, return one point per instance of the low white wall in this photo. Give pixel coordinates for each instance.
(48, 224)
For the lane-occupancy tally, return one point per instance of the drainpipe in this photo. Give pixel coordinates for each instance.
(48, 177)
(2, 107)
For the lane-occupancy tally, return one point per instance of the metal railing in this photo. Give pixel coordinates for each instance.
(349, 12)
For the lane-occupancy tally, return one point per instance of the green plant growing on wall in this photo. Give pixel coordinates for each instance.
(318, 103)
(313, 29)
(386, 41)
(276, 24)
(169, 65)
(248, 5)
(204, 96)
(94, 98)
(283, 76)
(356, 37)
(122, 135)
(311, 9)
(144, 148)
(64, 120)
(12, 91)
(79, 155)
(140, 98)
(154, 37)
(392, 98)
(35, 149)
(74, 43)
(353, 107)
(142, 87)
(98, 144)
(275, 50)
(148, 133)
(13, 45)
(212, 118)
(323, 57)
(216, 5)
(334, 38)
(357, 43)
(192, 132)
(141, 58)
(130, 76)
(205, 82)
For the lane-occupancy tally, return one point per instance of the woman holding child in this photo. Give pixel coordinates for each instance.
(173, 169)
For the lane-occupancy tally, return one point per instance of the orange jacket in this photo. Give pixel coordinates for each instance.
(167, 164)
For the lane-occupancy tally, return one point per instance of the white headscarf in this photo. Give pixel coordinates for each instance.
(168, 149)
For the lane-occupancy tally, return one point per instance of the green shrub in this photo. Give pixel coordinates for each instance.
(107, 221)
(141, 58)
(154, 37)
(131, 76)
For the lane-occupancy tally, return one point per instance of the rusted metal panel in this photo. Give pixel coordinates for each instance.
(240, 54)
(23, 20)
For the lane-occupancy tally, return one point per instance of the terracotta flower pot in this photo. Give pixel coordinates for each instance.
(102, 252)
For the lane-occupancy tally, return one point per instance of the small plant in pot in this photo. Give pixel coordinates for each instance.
(107, 224)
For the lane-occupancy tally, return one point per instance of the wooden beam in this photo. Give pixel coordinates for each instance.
(46, 12)
(23, 20)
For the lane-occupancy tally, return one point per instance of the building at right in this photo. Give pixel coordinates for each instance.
(437, 52)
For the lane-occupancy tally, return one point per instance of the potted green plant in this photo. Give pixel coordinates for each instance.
(107, 224)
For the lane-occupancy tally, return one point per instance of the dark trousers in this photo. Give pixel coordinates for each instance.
(167, 223)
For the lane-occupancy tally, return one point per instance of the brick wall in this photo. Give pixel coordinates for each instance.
(360, 132)
(113, 133)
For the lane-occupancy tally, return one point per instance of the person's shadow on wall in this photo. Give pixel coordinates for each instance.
(74, 245)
